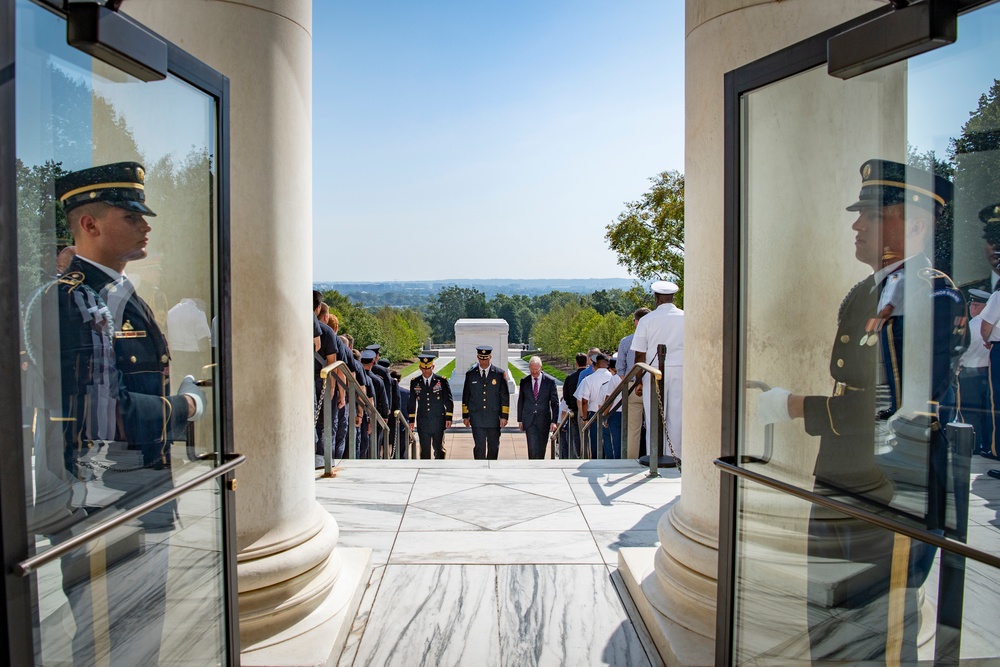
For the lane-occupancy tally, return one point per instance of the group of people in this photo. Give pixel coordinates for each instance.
(372, 372)
(599, 374)
(486, 396)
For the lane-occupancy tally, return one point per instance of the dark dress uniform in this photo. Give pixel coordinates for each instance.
(430, 406)
(380, 398)
(485, 400)
(115, 403)
(845, 423)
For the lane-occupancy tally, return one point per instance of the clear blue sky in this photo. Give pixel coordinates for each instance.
(488, 139)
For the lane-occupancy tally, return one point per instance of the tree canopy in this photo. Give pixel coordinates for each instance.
(648, 235)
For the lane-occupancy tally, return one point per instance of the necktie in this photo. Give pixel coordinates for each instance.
(536, 389)
(483, 373)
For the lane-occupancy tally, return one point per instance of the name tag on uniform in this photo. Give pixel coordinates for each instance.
(130, 334)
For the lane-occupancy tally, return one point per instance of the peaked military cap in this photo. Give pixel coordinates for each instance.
(121, 184)
(426, 360)
(374, 347)
(385, 363)
(484, 351)
(990, 214)
(979, 296)
(367, 357)
(885, 183)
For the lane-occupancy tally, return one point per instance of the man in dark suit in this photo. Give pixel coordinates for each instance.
(569, 388)
(537, 408)
(429, 408)
(485, 404)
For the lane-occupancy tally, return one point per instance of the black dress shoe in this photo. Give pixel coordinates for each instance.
(989, 455)
(995, 474)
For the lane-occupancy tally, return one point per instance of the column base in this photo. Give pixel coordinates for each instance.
(676, 645)
(312, 644)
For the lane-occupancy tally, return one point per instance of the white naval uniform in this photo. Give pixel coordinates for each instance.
(663, 326)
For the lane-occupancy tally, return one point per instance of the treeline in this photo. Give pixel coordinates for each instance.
(559, 323)
(400, 331)
(535, 317)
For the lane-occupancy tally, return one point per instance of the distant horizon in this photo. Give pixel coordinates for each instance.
(468, 280)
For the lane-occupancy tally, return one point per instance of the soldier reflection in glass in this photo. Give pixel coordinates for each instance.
(118, 417)
(871, 612)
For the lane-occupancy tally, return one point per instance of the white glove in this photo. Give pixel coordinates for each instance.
(189, 388)
(772, 406)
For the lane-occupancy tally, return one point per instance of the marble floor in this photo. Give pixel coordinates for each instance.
(497, 562)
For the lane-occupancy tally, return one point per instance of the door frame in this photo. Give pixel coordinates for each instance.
(16, 623)
(790, 61)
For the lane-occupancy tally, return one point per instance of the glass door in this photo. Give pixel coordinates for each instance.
(864, 237)
(127, 514)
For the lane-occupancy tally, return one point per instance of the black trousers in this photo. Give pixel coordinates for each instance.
(487, 442)
(430, 441)
(538, 438)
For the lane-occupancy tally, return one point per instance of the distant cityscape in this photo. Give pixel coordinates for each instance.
(418, 292)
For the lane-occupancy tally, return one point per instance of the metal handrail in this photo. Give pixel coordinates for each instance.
(559, 425)
(728, 465)
(29, 565)
(356, 394)
(410, 436)
(626, 386)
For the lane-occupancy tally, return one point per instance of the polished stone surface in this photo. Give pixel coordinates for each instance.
(490, 563)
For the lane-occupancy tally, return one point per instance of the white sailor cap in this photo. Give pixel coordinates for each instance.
(664, 287)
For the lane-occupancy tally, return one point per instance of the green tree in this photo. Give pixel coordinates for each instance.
(648, 236)
(507, 308)
(417, 323)
(454, 303)
(399, 340)
(975, 161)
(41, 224)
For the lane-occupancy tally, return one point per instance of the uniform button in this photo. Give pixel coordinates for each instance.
(840, 363)
(845, 339)
(133, 359)
(164, 359)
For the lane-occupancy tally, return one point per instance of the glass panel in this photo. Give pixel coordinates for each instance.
(110, 332)
(816, 585)
(870, 221)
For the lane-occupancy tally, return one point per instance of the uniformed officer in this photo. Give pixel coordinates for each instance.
(379, 397)
(485, 404)
(663, 326)
(115, 359)
(116, 415)
(430, 407)
(898, 209)
(990, 331)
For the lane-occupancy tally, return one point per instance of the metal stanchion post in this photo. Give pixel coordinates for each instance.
(328, 386)
(624, 437)
(352, 417)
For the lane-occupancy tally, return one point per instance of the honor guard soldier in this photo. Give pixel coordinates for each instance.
(898, 210)
(485, 404)
(430, 408)
(115, 360)
(110, 414)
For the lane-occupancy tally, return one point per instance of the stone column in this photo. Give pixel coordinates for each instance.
(674, 585)
(295, 586)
